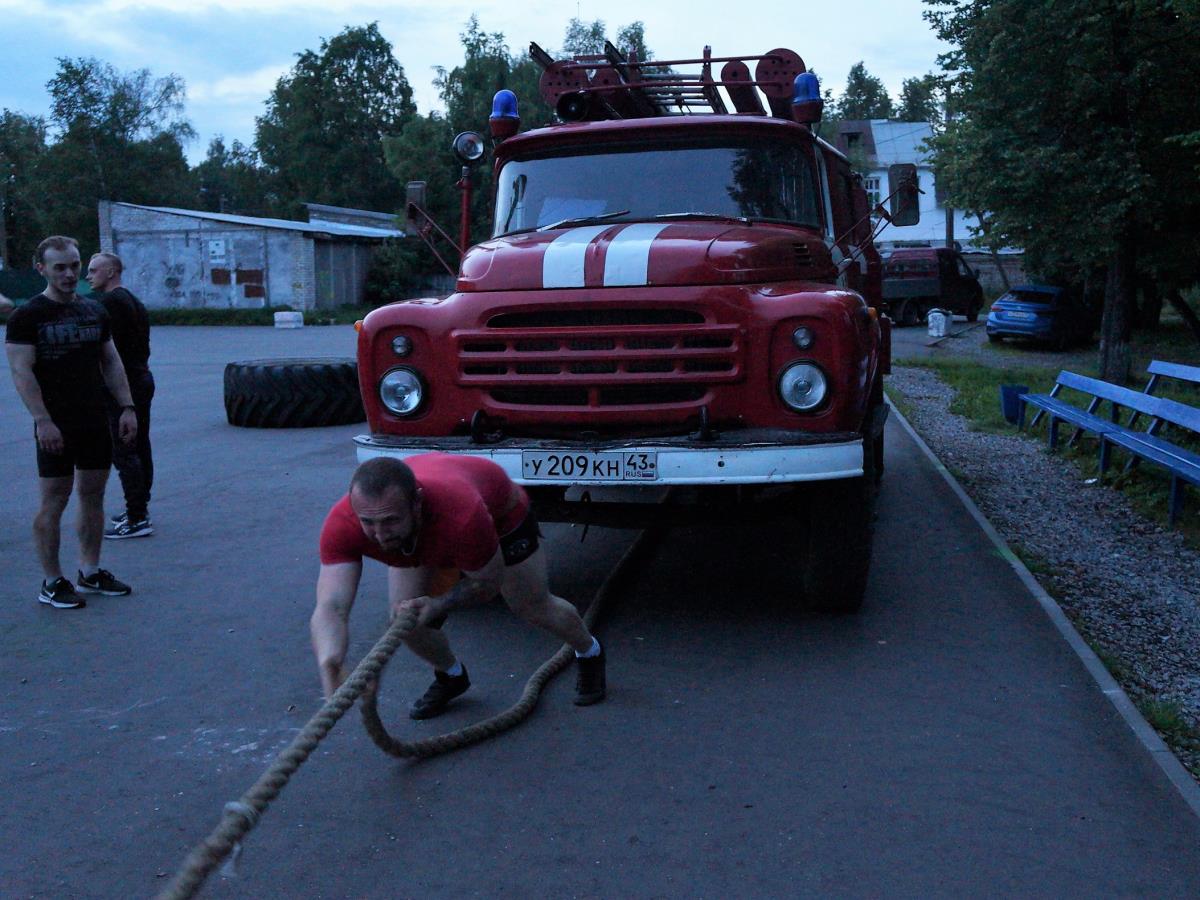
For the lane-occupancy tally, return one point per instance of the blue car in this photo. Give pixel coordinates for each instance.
(1037, 312)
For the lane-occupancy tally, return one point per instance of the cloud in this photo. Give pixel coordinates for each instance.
(251, 87)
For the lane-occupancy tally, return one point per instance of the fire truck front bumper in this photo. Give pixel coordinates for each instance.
(752, 456)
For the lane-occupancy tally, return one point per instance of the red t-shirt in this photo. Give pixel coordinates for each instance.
(467, 504)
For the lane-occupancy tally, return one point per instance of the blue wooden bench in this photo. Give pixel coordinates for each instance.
(1148, 444)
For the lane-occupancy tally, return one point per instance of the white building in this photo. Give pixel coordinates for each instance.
(880, 143)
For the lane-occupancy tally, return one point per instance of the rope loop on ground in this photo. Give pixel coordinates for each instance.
(240, 816)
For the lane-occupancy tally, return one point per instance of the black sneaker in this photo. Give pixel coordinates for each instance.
(590, 684)
(444, 689)
(123, 517)
(129, 529)
(60, 594)
(102, 582)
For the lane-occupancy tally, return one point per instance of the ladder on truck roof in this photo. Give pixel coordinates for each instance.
(612, 85)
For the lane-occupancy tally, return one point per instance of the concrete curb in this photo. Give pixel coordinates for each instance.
(1184, 783)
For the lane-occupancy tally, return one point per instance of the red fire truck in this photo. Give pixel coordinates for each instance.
(675, 316)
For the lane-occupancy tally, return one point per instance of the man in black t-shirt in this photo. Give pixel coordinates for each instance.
(131, 336)
(61, 354)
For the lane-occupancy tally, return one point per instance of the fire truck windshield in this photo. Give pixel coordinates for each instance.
(768, 182)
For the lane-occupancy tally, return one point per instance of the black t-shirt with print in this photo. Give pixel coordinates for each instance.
(67, 338)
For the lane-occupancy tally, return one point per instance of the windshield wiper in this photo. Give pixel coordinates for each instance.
(583, 220)
(705, 215)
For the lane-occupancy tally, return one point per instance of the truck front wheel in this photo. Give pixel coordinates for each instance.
(838, 531)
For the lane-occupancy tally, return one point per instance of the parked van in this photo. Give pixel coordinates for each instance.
(918, 279)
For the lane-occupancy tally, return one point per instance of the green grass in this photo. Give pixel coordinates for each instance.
(1035, 563)
(1173, 727)
(342, 315)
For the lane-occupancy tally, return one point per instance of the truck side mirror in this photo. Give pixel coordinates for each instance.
(414, 199)
(904, 194)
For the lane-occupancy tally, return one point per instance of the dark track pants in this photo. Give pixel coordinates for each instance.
(135, 462)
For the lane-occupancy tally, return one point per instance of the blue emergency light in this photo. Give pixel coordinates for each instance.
(806, 99)
(504, 120)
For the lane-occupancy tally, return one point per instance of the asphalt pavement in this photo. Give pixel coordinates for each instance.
(945, 741)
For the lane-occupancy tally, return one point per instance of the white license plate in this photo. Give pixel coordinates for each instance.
(627, 465)
(1023, 316)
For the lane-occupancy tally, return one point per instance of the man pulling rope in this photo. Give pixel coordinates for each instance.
(426, 517)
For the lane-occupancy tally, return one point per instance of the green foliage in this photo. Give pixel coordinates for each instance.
(90, 94)
(233, 180)
(114, 128)
(865, 96)
(395, 267)
(919, 101)
(1072, 154)
(326, 119)
(584, 38)
(22, 144)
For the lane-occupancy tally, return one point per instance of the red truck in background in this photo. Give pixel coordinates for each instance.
(675, 316)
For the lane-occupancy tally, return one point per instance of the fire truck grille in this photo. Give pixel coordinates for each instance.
(634, 395)
(600, 358)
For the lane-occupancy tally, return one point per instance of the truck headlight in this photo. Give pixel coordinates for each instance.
(802, 386)
(402, 345)
(401, 391)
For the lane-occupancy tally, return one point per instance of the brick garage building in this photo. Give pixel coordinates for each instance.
(192, 259)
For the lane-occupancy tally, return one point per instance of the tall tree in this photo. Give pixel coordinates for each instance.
(323, 130)
(232, 179)
(113, 127)
(584, 38)
(919, 100)
(865, 96)
(22, 143)
(1073, 155)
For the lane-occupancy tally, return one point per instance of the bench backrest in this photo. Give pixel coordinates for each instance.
(1174, 370)
(1156, 407)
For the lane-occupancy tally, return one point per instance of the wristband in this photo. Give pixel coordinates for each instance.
(128, 406)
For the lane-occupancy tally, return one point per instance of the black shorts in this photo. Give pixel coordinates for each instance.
(84, 447)
(522, 542)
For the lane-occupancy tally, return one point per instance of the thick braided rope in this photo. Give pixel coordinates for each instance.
(480, 731)
(243, 815)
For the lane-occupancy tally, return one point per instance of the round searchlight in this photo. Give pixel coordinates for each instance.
(401, 391)
(468, 146)
(802, 386)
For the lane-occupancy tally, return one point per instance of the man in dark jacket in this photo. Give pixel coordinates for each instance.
(131, 335)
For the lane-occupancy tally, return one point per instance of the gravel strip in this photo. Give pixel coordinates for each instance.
(1129, 585)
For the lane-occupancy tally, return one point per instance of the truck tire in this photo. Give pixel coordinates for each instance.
(292, 393)
(838, 537)
(908, 313)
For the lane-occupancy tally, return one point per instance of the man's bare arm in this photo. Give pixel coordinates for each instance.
(476, 587)
(21, 358)
(118, 385)
(337, 586)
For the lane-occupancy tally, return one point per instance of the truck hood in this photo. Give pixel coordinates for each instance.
(646, 253)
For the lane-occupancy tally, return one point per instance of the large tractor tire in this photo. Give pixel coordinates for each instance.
(292, 393)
